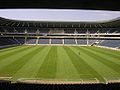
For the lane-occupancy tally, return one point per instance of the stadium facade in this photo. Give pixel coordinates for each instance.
(103, 33)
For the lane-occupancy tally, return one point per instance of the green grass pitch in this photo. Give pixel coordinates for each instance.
(60, 62)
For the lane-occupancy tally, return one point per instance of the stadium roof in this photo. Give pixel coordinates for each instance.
(52, 24)
(63, 4)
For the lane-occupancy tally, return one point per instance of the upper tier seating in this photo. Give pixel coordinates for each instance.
(9, 29)
(81, 31)
(20, 29)
(52, 31)
(93, 31)
(31, 30)
(69, 31)
(1, 29)
(44, 30)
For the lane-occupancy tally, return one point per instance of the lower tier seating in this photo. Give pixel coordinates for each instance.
(69, 41)
(56, 41)
(81, 41)
(7, 41)
(21, 40)
(110, 43)
(31, 41)
(43, 41)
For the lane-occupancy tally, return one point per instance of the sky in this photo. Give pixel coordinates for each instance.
(58, 14)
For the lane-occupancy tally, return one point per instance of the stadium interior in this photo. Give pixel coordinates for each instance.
(24, 34)
(17, 32)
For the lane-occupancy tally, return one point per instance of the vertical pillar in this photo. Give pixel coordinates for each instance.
(87, 37)
(50, 41)
(25, 39)
(63, 40)
(37, 40)
(76, 40)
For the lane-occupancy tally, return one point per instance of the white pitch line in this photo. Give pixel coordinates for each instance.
(97, 80)
(106, 81)
(5, 78)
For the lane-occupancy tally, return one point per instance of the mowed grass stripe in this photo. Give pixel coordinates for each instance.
(59, 62)
(105, 59)
(84, 69)
(17, 64)
(8, 48)
(107, 52)
(49, 66)
(91, 62)
(65, 68)
(12, 52)
(111, 56)
(101, 67)
(78, 63)
(30, 68)
(39, 61)
(16, 56)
